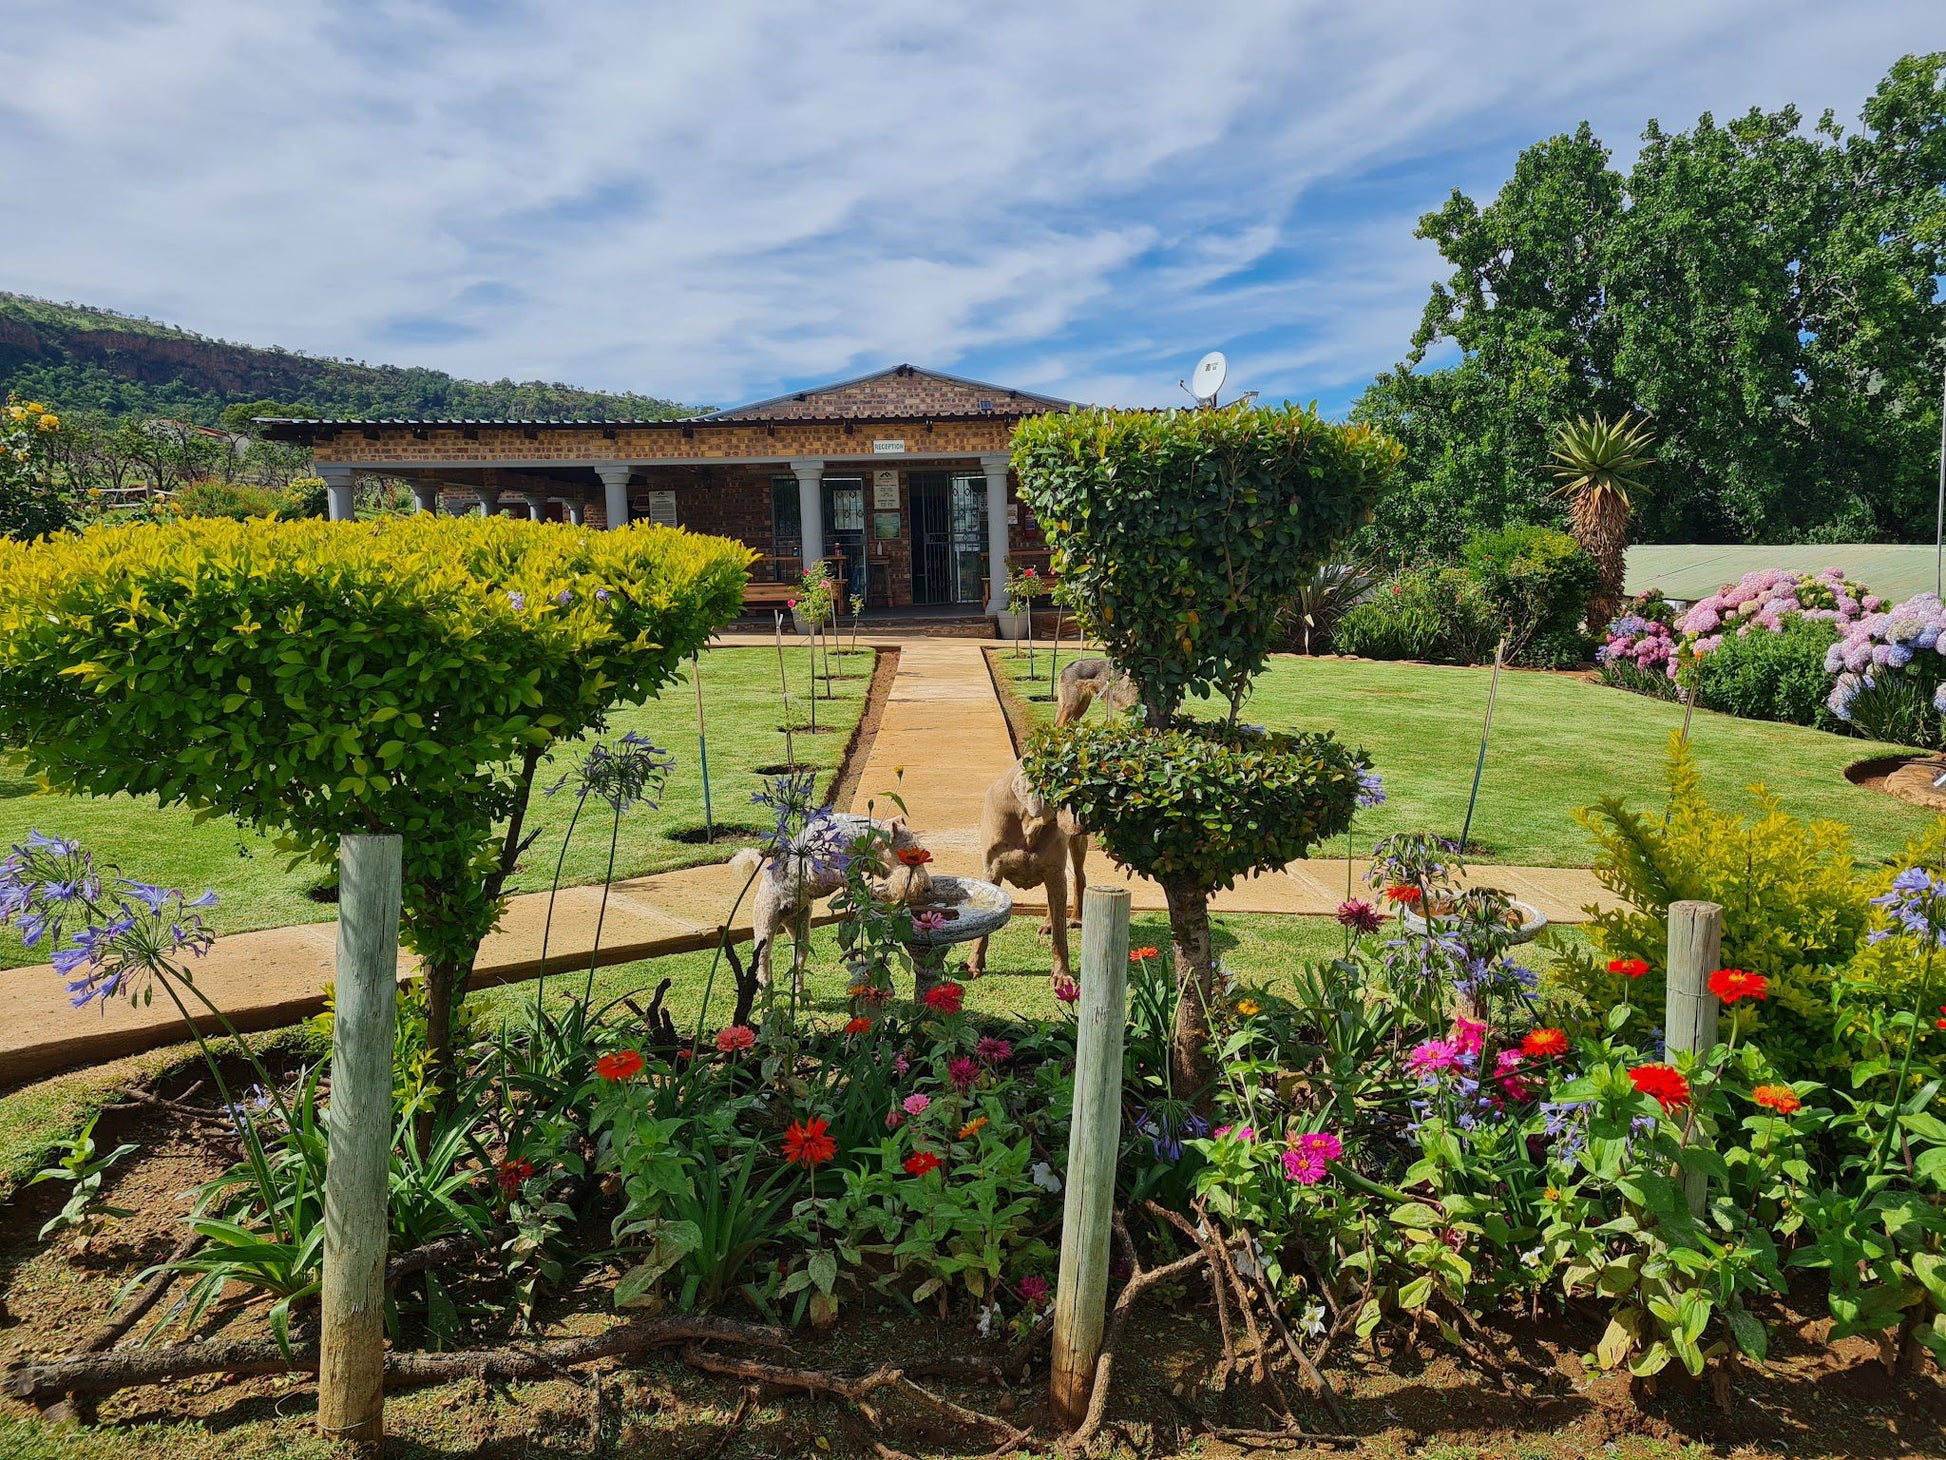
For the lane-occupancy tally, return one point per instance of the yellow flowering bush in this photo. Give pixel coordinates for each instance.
(314, 678)
(31, 503)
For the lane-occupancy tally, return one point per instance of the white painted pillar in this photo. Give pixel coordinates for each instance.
(577, 511)
(536, 505)
(489, 501)
(614, 481)
(995, 468)
(810, 507)
(338, 491)
(428, 495)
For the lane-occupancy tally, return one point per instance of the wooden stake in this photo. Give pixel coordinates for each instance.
(1486, 732)
(1690, 1010)
(358, 1126)
(1094, 1136)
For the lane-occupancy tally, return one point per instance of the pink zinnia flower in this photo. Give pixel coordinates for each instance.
(1321, 1144)
(1241, 1132)
(916, 1104)
(1303, 1167)
(962, 1072)
(1469, 1035)
(994, 1051)
(1066, 990)
(1032, 1288)
(1432, 1057)
(1358, 914)
(735, 1037)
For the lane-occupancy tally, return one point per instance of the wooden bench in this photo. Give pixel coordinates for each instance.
(768, 595)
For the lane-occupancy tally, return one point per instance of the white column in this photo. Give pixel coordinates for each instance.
(995, 468)
(577, 511)
(536, 505)
(338, 491)
(810, 507)
(428, 495)
(489, 501)
(614, 480)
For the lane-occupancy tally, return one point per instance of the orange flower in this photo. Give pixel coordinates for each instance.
(914, 856)
(1628, 967)
(1731, 984)
(920, 1162)
(623, 1064)
(1544, 1043)
(1665, 1082)
(1780, 1098)
(1405, 894)
(1138, 955)
(807, 1145)
(735, 1037)
(858, 1026)
(972, 1128)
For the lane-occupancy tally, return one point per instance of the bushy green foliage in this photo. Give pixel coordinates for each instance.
(316, 678)
(1771, 676)
(1182, 534)
(1794, 910)
(1540, 581)
(33, 503)
(238, 501)
(1438, 614)
(1199, 800)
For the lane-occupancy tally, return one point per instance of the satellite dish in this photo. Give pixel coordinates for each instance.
(1209, 375)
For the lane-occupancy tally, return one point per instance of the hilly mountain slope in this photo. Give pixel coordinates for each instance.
(81, 359)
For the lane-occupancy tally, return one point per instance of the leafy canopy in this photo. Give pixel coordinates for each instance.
(317, 678)
(1180, 535)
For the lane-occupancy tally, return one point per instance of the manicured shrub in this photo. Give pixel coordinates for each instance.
(1641, 647)
(1541, 581)
(1438, 614)
(316, 678)
(238, 501)
(1772, 676)
(1180, 536)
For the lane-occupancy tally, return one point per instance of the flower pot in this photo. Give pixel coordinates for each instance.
(1012, 625)
(804, 624)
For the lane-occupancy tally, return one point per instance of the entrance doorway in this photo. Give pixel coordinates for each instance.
(844, 531)
(949, 533)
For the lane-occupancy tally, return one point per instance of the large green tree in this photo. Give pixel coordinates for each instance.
(1765, 295)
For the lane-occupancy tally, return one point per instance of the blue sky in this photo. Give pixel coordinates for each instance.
(715, 203)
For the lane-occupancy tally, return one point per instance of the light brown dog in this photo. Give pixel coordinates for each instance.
(1087, 680)
(1031, 843)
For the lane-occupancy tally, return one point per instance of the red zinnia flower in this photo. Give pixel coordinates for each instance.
(1665, 1082)
(858, 1025)
(920, 1162)
(1628, 967)
(1780, 1098)
(807, 1145)
(1544, 1043)
(1405, 894)
(1140, 955)
(946, 998)
(1731, 984)
(623, 1064)
(735, 1037)
(511, 1175)
(914, 856)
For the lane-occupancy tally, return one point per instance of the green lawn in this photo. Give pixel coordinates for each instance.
(743, 709)
(1559, 743)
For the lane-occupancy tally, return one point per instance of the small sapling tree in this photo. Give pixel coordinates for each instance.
(1178, 537)
(313, 678)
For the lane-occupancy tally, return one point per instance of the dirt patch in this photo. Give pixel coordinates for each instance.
(1909, 777)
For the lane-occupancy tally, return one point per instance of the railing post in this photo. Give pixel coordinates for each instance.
(1094, 1137)
(1690, 1011)
(358, 1127)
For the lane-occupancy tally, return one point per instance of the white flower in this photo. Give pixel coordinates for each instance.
(1043, 1176)
(1311, 1322)
(1533, 1258)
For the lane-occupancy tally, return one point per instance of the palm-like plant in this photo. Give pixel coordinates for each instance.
(1598, 464)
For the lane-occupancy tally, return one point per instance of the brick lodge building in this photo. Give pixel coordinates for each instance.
(899, 478)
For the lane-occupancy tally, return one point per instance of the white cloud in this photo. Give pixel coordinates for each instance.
(709, 202)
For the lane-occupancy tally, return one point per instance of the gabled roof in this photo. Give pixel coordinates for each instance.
(899, 393)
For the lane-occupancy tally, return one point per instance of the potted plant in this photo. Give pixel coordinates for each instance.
(1017, 621)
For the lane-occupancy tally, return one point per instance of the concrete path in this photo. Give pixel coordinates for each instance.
(942, 728)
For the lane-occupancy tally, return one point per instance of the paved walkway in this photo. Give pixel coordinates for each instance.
(942, 728)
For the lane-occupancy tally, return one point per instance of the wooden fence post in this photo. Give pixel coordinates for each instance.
(358, 1125)
(1690, 1010)
(1094, 1137)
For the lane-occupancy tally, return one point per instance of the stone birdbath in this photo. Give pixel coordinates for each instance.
(957, 910)
(1532, 921)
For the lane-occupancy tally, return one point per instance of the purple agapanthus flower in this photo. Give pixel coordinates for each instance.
(1371, 790)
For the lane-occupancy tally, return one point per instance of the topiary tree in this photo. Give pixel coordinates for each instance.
(1179, 537)
(313, 678)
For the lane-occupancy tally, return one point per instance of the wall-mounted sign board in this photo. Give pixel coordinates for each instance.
(885, 489)
(662, 508)
(889, 448)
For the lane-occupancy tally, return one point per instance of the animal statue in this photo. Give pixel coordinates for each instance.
(813, 868)
(1030, 842)
(1087, 680)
